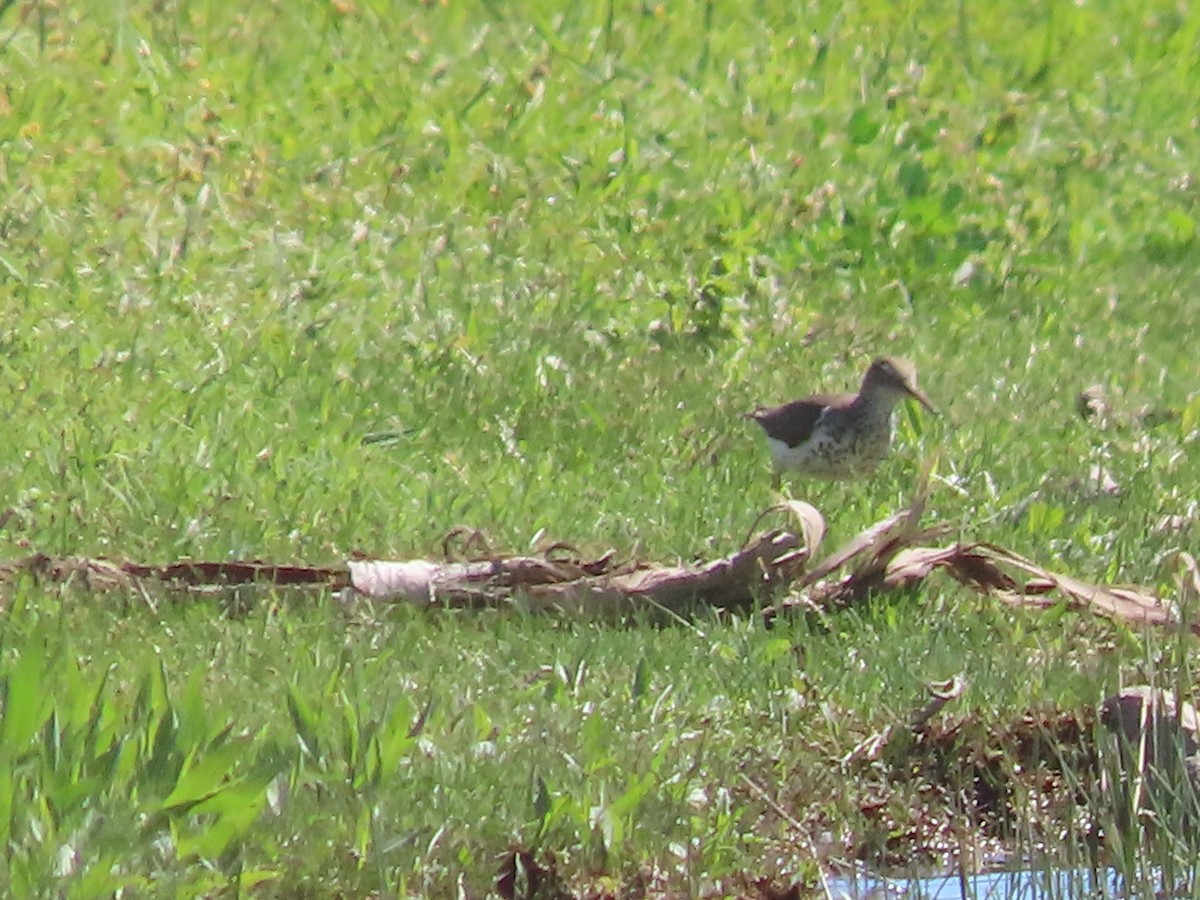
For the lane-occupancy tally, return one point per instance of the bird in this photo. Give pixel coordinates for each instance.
(840, 436)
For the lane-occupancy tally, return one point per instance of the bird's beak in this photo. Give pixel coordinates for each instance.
(919, 395)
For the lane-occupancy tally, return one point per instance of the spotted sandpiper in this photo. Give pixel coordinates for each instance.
(840, 436)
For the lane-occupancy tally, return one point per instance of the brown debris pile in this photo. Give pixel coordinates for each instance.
(774, 571)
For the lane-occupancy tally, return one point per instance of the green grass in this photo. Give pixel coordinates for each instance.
(556, 250)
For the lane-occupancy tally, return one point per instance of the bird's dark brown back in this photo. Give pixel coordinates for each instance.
(793, 423)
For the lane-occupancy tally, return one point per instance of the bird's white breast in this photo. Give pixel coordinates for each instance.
(813, 456)
(832, 453)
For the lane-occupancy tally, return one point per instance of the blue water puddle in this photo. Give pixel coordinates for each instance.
(1041, 885)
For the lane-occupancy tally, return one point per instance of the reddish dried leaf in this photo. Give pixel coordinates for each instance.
(1127, 603)
(961, 561)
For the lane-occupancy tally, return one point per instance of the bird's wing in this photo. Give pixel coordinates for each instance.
(793, 423)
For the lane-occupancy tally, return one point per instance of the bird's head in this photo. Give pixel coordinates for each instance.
(896, 377)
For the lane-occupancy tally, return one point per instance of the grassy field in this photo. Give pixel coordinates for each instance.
(546, 255)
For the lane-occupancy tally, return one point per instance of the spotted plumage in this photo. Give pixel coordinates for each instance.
(840, 436)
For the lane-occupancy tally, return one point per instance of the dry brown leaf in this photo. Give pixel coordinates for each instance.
(573, 588)
(882, 540)
(812, 524)
(859, 544)
(456, 583)
(914, 564)
(962, 561)
(888, 555)
(986, 568)
(812, 527)
(103, 574)
(1129, 603)
(736, 581)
